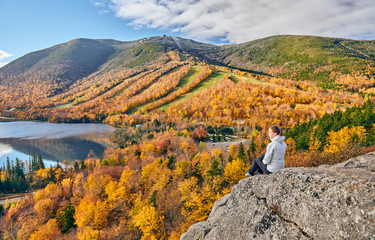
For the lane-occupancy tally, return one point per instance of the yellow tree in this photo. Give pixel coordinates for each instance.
(92, 213)
(234, 171)
(96, 184)
(345, 138)
(88, 233)
(48, 231)
(156, 175)
(148, 219)
(45, 207)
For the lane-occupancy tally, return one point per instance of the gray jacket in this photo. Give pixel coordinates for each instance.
(274, 158)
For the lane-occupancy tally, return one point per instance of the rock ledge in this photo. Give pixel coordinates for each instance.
(327, 202)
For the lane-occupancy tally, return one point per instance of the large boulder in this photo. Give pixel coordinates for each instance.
(326, 202)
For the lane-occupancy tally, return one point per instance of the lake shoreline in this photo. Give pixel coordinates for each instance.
(53, 141)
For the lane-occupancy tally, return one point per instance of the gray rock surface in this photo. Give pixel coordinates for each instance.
(327, 202)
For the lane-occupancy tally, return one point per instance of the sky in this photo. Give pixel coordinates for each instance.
(27, 26)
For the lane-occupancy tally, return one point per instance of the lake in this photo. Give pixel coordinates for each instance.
(54, 141)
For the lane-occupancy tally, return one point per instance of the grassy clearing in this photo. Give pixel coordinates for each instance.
(62, 106)
(238, 78)
(133, 110)
(194, 71)
(209, 82)
(119, 92)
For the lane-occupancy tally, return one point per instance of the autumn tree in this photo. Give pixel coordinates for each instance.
(345, 138)
(50, 231)
(149, 221)
(235, 171)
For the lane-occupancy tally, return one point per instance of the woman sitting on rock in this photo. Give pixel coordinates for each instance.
(273, 159)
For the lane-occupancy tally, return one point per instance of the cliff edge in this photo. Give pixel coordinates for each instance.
(326, 202)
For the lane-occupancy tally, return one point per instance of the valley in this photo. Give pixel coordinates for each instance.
(174, 103)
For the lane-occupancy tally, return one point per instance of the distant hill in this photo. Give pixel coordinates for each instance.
(302, 57)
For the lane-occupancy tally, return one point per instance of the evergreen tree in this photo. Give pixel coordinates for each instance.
(66, 218)
(30, 170)
(76, 166)
(8, 169)
(368, 116)
(214, 169)
(51, 176)
(226, 131)
(83, 165)
(34, 163)
(252, 146)
(171, 161)
(18, 170)
(221, 159)
(152, 199)
(101, 157)
(11, 168)
(1, 209)
(241, 152)
(40, 162)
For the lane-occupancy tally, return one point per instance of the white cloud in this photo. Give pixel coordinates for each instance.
(4, 55)
(103, 5)
(99, 3)
(244, 20)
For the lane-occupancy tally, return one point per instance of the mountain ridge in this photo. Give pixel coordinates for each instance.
(76, 75)
(261, 55)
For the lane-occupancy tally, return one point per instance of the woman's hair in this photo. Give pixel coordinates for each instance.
(276, 130)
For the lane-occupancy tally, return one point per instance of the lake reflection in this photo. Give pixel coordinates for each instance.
(54, 141)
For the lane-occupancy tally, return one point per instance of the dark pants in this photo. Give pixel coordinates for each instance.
(259, 166)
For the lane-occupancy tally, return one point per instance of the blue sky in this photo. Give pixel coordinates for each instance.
(30, 25)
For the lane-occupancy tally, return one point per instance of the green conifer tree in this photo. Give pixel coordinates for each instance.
(40, 162)
(241, 152)
(214, 169)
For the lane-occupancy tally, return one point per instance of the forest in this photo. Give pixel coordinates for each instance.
(163, 177)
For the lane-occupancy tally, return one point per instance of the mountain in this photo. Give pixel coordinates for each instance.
(296, 57)
(77, 77)
(327, 202)
(65, 63)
